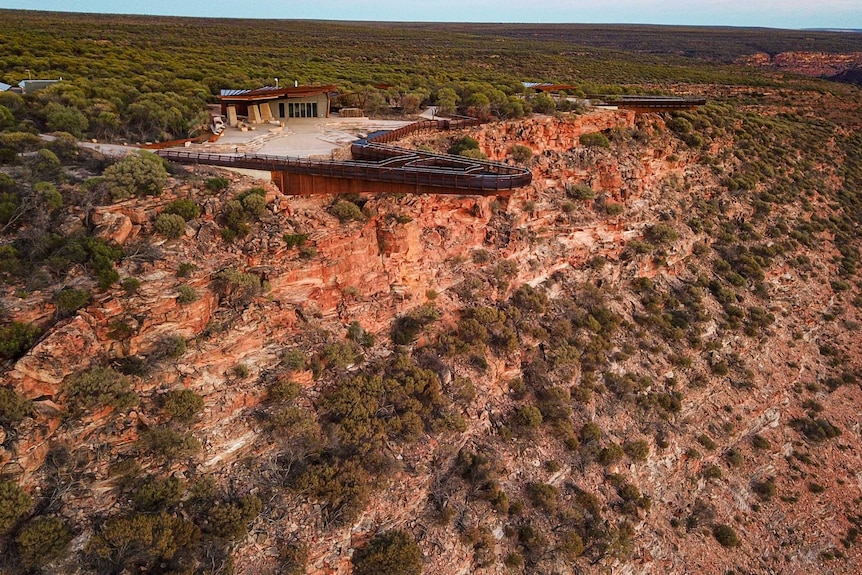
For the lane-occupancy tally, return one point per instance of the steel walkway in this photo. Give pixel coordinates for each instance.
(398, 169)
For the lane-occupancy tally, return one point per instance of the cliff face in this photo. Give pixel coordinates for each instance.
(581, 249)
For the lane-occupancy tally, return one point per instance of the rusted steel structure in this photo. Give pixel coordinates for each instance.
(646, 104)
(377, 168)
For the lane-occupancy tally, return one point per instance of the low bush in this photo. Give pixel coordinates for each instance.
(70, 300)
(462, 144)
(726, 535)
(638, 450)
(153, 494)
(521, 153)
(346, 211)
(217, 184)
(341, 487)
(13, 406)
(236, 287)
(294, 240)
(182, 404)
(186, 294)
(170, 226)
(389, 553)
(595, 140)
(230, 520)
(15, 503)
(41, 540)
(98, 387)
(183, 207)
(140, 542)
(17, 338)
(170, 444)
(580, 192)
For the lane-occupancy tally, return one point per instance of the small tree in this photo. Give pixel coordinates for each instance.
(16, 339)
(183, 207)
(170, 226)
(182, 404)
(42, 540)
(96, 387)
(138, 174)
(15, 503)
(726, 535)
(390, 553)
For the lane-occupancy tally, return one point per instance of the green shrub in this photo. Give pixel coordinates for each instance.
(230, 520)
(182, 404)
(407, 327)
(706, 441)
(341, 487)
(70, 300)
(528, 417)
(45, 165)
(462, 144)
(42, 539)
(543, 496)
(294, 359)
(815, 429)
(571, 545)
(170, 444)
(13, 407)
(131, 285)
(389, 553)
(15, 503)
(760, 442)
(183, 207)
(726, 535)
(282, 389)
(217, 184)
(48, 196)
(254, 204)
(170, 347)
(153, 494)
(638, 450)
(17, 338)
(611, 453)
(170, 226)
(527, 298)
(294, 240)
(186, 294)
(712, 472)
(661, 234)
(764, 489)
(236, 287)
(474, 154)
(346, 211)
(580, 192)
(594, 140)
(98, 387)
(140, 541)
(186, 269)
(138, 174)
(521, 153)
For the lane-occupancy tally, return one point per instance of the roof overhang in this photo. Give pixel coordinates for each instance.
(273, 93)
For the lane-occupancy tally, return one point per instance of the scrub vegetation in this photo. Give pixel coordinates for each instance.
(530, 417)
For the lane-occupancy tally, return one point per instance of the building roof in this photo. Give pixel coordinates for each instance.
(548, 87)
(4, 87)
(273, 93)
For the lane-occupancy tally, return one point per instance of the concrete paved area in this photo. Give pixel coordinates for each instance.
(300, 137)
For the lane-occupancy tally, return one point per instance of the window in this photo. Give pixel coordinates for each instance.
(302, 110)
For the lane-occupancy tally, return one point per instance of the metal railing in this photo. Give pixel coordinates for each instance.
(374, 162)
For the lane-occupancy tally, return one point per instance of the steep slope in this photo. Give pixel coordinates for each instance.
(645, 362)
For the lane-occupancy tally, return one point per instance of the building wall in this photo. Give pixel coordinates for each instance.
(281, 109)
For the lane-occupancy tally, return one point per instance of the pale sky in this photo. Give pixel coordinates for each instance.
(840, 14)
